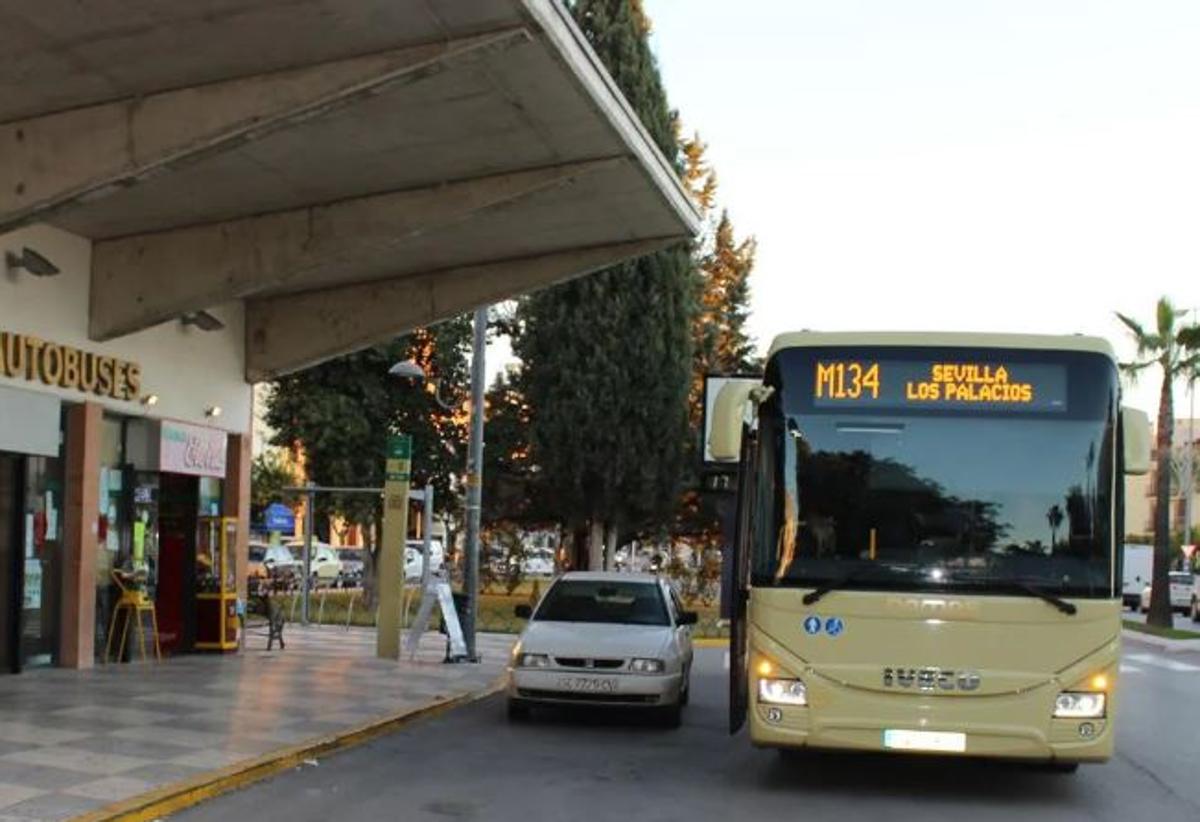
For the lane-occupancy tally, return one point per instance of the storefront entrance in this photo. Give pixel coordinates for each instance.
(175, 597)
(30, 559)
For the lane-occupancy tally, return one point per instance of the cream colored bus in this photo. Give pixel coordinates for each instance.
(928, 545)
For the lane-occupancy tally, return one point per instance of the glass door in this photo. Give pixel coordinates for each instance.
(41, 563)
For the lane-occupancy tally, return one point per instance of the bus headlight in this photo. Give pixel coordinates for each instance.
(782, 692)
(1078, 705)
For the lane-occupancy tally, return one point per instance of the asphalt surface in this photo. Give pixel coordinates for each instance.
(473, 764)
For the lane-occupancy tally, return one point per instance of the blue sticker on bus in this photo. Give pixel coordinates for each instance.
(834, 626)
(812, 625)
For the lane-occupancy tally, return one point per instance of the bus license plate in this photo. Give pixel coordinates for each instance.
(585, 684)
(925, 741)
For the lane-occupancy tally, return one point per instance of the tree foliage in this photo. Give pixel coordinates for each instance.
(1173, 348)
(340, 413)
(270, 473)
(606, 358)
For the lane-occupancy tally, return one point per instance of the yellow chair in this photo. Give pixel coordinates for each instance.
(134, 604)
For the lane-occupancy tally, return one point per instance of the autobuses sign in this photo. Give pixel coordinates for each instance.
(191, 449)
(948, 384)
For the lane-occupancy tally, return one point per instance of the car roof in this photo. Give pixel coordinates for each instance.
(607, 576)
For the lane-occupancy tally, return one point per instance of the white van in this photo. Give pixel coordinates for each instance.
(1139, 567)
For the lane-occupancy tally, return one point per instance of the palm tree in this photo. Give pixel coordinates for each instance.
(1176, 350)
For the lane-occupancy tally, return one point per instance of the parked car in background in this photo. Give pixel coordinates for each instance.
(280, 563)
(413, 560)
(1195, 606)
(538, 562)
(256, 571)
(1138, 565)
(351, 573)
(1182, 591)
(324, 565)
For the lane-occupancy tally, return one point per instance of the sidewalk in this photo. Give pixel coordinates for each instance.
(76, 741)
(1161, 643)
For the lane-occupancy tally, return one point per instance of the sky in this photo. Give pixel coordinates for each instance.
(992, 165)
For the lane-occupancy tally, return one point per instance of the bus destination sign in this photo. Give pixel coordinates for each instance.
(947, 384)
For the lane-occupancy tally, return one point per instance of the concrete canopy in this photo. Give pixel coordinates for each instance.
(348, 168)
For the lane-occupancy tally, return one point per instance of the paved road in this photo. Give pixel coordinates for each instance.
(473, 764)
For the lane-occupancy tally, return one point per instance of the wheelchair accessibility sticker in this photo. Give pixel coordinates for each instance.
(834, 626)
(812, 625)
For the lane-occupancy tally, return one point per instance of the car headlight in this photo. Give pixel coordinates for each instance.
(533, 661)
(782, 692)
(647, 666)
(1079, 705)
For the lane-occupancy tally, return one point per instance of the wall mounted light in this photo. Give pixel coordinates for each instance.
(150, 400)
(31, 261)
(213, 411)
(203, 320)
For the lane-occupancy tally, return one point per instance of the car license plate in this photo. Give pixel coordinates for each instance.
(588, 684)
(925, 741)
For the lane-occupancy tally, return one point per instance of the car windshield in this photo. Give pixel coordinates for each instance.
(1181, 577)
(604, 601)
(257, 553)
(349, 555)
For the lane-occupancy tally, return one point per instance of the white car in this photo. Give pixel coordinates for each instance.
(1181, 592)
(414, 560)
(538, 562)
(323, 563)
(604, 639)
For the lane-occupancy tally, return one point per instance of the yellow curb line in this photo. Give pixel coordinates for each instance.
(175, 797)
(711, 642)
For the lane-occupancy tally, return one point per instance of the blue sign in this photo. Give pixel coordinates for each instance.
(812, 625)
(834, 626)
(278, 517)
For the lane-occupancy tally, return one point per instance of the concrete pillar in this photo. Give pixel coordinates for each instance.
(237, 500)
(80, 541)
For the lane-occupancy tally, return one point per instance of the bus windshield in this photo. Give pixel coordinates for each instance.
(985, 471)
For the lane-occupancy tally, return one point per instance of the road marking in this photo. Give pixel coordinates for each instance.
(726, 660)
(1167, 664)
(1130, 669)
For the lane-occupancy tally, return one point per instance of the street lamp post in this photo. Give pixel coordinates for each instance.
(411, 370)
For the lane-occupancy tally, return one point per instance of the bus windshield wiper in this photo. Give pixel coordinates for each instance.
(830, 585)
(1058, 602)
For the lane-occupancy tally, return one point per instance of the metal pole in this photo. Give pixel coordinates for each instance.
(427, 533)
(475, 481)
(310, 503)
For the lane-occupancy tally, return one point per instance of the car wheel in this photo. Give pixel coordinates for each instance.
(1195, 610)
(517, 711)
(672, 715)
(685, 693)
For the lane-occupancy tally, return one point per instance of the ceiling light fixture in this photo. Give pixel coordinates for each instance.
(31, 261)
(214, 411)
(203, 320)
(150, 400)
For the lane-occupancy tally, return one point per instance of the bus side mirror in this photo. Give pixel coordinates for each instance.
(1136, 432)
(725, 434)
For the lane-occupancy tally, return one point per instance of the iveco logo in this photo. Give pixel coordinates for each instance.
(930, 679)
(933, 606)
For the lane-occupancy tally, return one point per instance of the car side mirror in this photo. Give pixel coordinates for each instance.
(688, 618)
(523, 611)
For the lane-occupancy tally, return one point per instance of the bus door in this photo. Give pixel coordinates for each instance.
(739, 665)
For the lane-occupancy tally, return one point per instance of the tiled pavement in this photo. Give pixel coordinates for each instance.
(74, 741)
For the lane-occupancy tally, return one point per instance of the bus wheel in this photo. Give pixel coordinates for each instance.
(1060, 767)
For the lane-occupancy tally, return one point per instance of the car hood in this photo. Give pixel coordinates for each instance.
(595, 639)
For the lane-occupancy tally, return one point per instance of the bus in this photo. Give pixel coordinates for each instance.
(927, 551)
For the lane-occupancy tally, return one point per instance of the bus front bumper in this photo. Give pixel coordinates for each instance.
(1061, 740)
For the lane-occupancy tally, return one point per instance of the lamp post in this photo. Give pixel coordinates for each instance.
(411, 370)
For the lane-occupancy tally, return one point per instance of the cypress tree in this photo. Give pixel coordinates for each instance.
(607, 358)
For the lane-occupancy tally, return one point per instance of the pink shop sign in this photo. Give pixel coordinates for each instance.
(191, 449)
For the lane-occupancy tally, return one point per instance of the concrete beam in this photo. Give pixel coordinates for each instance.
(210, 264)
(52, 161)
(286, 334)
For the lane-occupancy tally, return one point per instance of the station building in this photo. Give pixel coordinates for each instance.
(198, 197)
